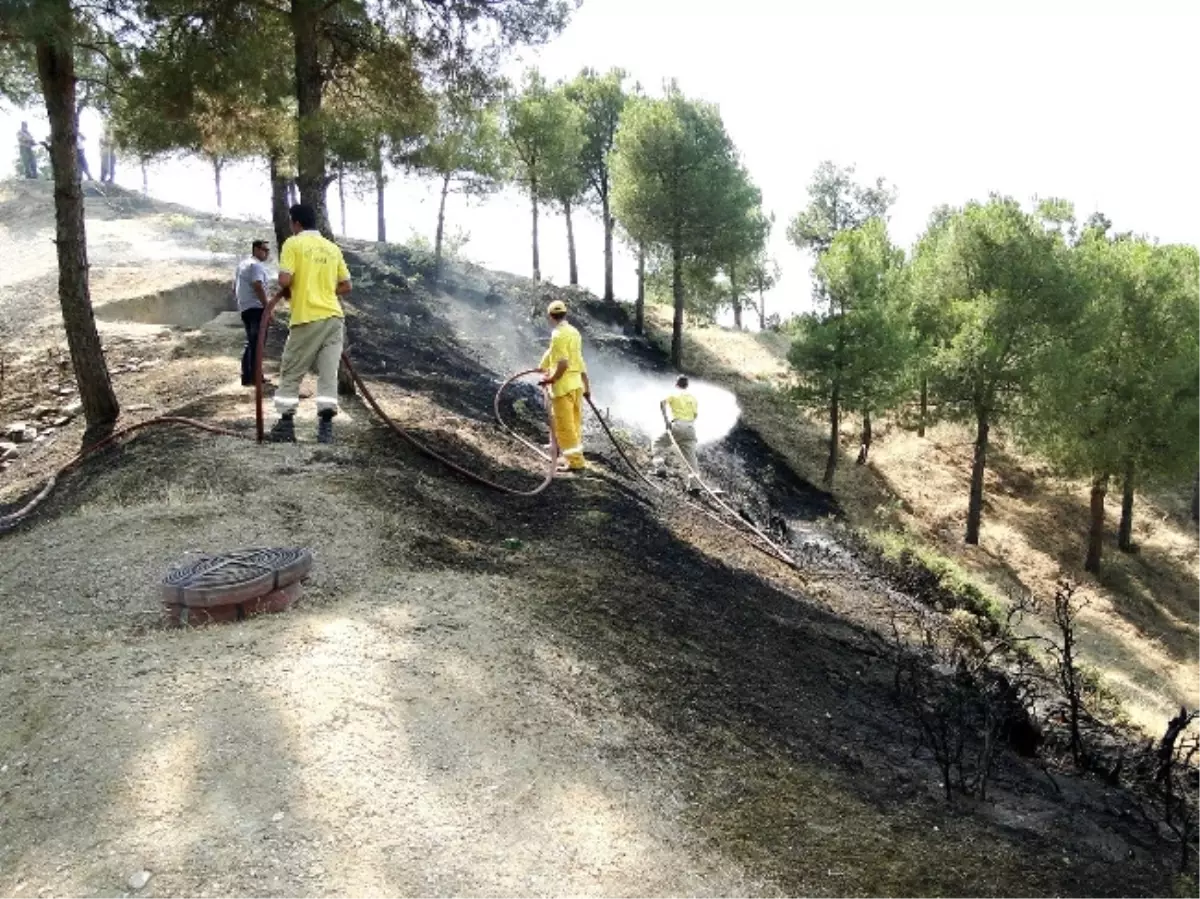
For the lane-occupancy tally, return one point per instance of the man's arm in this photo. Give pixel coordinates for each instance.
(343, 288)
(558, 372)
(587, 385)
(259, 284)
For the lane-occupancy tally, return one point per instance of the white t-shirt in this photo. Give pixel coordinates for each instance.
(249, 270)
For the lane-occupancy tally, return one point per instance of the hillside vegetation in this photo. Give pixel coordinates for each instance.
(1141, 624)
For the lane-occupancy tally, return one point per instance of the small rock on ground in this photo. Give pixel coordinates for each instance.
(138, 879)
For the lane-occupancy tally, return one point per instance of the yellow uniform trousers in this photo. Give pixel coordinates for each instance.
(567, 414)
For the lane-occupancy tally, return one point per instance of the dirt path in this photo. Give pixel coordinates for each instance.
(401, 734)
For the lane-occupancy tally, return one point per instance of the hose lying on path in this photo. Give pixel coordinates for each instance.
(772, 549)
(396, 429)
(13, 519)
(10, 521)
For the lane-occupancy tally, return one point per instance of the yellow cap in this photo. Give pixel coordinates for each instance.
(556, 307)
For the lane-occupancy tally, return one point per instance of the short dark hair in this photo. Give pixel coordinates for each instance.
(259, 245)
(304, 216)
(558, 316)
(681, 381)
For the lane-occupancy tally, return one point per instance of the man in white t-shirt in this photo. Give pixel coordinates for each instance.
(250, 289)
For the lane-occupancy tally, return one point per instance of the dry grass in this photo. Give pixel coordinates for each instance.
(1141, 625)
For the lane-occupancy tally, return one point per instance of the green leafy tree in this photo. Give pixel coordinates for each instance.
(762, 275)
(328, 39)
(377, 112)
(466, 153)
(1001, 281)
(601, 98)
(705, 293)
(219, 89)
(836, 203)
(930, 322)
(673, 168)
(1118, 393)
(544, 131)
(853, 354)
(49, 33)
(566, 182)
(741, 239)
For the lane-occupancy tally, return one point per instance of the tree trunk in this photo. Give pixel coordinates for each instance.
(441, 230)
(341, 179)
(1196, 498)
(606, 215)
(975, 504)
(924, 404)
(1096, 527)
(639, 308)
(573, 268)
(835, 424)
(864, 448)
(537, 268)
(677, 295)
(762, 306)
(736, 300)
(1125, 531)
(217, 164)
(380, 217)
(56, 73)
(280, 217)
(310, 86)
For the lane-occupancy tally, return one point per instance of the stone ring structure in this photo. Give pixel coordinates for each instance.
(235, 585)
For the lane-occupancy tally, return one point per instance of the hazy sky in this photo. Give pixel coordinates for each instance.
(1055, 98)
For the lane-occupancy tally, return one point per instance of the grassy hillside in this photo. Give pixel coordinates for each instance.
(1141, 627)
(594, 691)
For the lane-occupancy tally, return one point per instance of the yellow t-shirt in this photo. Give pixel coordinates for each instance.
(565, 343)
(682, 406)
(316, 266)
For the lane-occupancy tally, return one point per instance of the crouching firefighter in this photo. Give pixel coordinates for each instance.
(313, 275)
(566, 376)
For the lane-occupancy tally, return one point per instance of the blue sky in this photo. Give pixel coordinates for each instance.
(1094, 102)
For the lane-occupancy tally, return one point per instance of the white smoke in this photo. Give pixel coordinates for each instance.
(632, 397)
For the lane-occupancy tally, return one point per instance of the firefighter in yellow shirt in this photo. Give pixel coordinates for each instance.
(566, 376)
(314, 275)
(679, 411)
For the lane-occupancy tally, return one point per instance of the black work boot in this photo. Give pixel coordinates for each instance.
(325, 426)
(284, 430)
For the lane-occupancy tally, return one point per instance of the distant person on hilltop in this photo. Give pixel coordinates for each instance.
(312, 274)
(82, 157)
(566, 376)
(679, 412)
(108, 156)
(25, 143)
(250, 290)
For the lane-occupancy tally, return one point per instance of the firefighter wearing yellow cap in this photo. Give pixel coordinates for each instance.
(566, 376)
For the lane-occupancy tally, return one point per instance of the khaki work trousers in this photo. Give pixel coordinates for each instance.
(566, 412)
(685, 435)
(316, 343)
